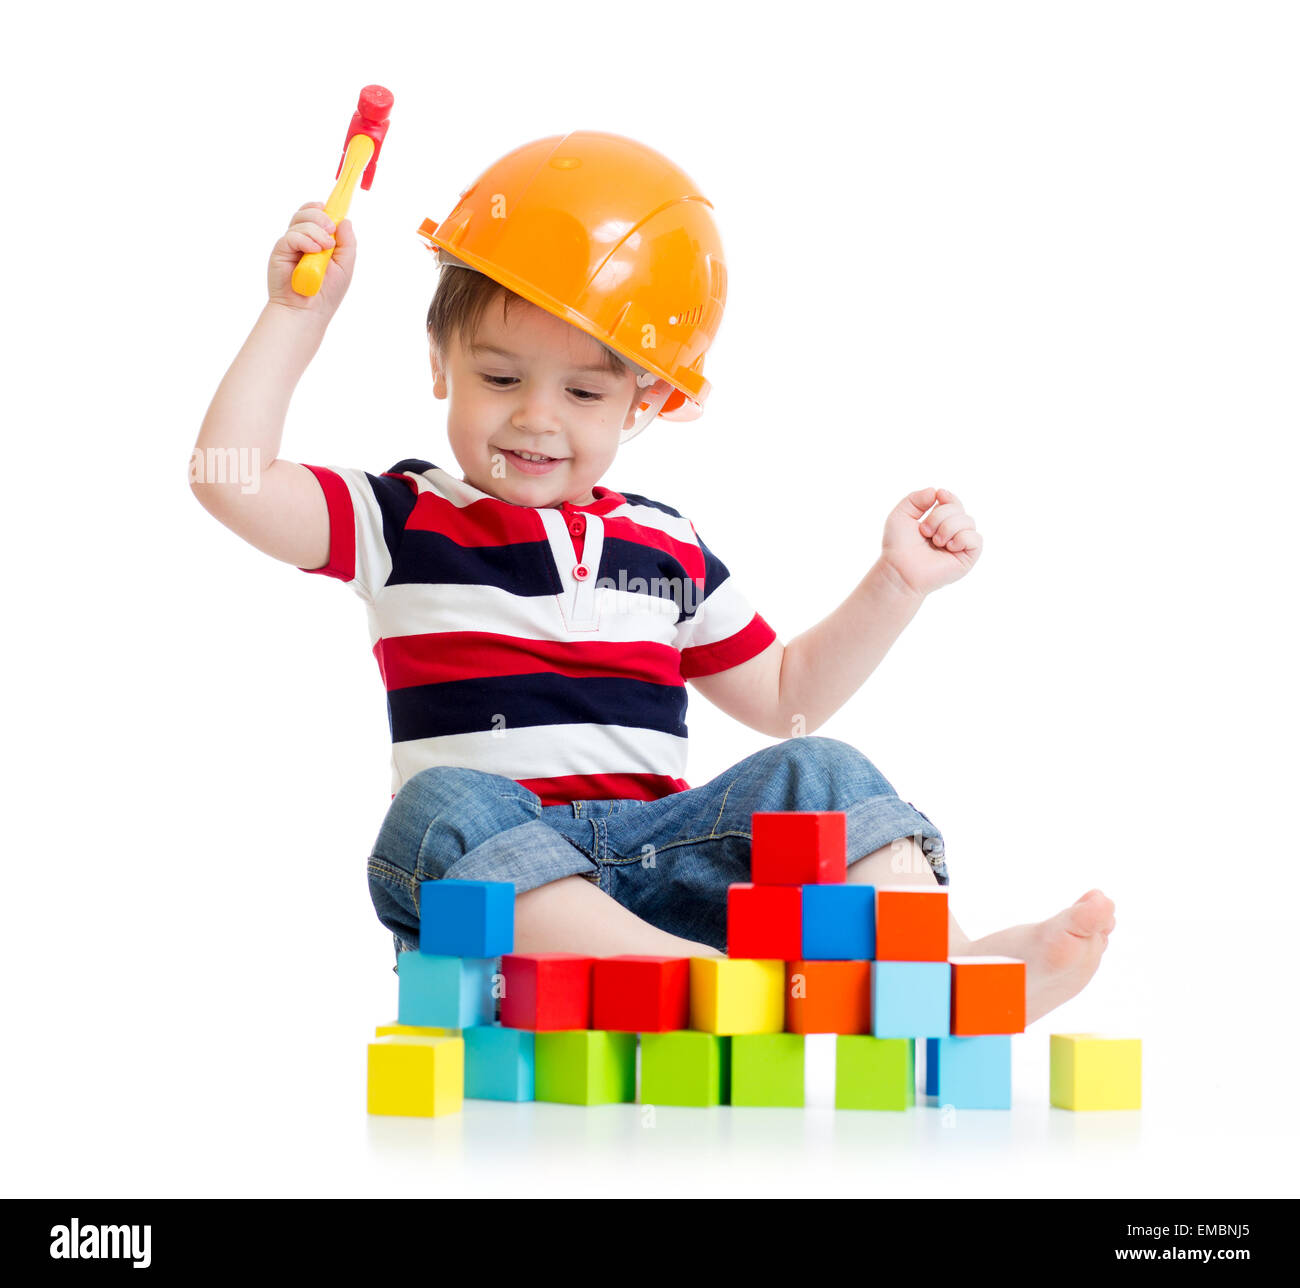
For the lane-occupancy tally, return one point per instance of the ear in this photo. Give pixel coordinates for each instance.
(439, 374)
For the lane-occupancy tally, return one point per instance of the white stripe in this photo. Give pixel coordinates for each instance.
(374, 565)
(648, 517)
(419, 608)
(546, 751)
(725, 612)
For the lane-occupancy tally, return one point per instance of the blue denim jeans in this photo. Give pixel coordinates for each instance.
(669, 861)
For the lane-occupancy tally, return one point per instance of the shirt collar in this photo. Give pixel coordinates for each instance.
(606, 498)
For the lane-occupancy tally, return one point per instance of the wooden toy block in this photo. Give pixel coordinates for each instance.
(737, 995)
(839, 922)
(415, 1031)
(637, 994)
(1096, 1071)
(765, 921)
(874, 1073)
(970, 1073)
(767, 1069)
(911, 924)
(828, 997)
(797, 847)
(444, 992)
(988, 995)
(415, 1077)
(910, 999)
(685, 1068)
(467, 918)
(499, 1063)
(585, 1067)
(546, 991)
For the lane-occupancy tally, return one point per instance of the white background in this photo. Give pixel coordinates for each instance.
(1042, 254)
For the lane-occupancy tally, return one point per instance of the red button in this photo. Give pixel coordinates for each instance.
(581, 572)
(577, 526)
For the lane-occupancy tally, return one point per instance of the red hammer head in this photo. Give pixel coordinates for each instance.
(371, 117)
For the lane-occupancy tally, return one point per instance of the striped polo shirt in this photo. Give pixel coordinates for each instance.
(550, 645)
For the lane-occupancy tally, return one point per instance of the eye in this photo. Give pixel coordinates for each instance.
(492, 379)
(587, 395)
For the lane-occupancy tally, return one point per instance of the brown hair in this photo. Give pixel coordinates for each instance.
(458, 305)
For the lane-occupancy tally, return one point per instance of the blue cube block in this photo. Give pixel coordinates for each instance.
(839, 922)
(974, 1073)
(499, 1063)
(910, 999)
(467, 918)
(446, 992)
(931, 1066)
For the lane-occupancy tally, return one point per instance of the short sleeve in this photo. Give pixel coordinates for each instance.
(724, 630)
(367, 516)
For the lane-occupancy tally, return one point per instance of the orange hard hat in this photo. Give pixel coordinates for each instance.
(608, 235)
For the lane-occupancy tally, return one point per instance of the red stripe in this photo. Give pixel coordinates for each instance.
(493, 523)
(707, 659)
(604, 787)
(342, 562)
(439, 657)
(481, 523)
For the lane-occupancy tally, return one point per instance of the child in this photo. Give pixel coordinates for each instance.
(535, 629)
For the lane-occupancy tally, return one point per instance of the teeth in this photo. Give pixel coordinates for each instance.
(528, 456)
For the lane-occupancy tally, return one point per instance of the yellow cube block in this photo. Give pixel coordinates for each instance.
(737, 995)
(414, 1030)
(419, 1077)
(1096, 1071)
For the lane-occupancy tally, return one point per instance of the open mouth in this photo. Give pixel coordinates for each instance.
(532, 462)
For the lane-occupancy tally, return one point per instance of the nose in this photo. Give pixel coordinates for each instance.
(536, 412)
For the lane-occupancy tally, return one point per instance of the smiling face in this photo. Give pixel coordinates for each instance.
(532, 384)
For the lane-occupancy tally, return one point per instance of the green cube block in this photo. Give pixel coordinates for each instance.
(767, 1069)
(874, 1073)
(684, 1067)
(585, 1066)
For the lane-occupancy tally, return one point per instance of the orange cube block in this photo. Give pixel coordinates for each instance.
(911, 924)
(828, 997)
(988, 996)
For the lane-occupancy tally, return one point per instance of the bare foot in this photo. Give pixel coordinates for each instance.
(1060, 954)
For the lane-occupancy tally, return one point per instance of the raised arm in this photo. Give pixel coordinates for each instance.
(235, 470)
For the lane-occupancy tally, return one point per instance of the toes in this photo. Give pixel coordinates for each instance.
(1099, 907)
(1089, 918)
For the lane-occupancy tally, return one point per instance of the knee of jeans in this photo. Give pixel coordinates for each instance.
(840, 762)
(449, 811)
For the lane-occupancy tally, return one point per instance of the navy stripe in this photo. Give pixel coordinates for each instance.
(715, 571)
(515, 701)
(413, 465)
(652, 565)
(395, 499)
(522, 568)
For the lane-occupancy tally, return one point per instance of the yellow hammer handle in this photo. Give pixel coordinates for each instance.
(310, 272)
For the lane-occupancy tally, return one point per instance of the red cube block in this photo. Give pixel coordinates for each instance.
(546, 991)
(633, 994)
(765, 921)
(798, 847)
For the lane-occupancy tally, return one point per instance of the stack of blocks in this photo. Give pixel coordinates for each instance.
(807, 952)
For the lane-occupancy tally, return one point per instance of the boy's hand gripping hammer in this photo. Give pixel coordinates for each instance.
(360, 152)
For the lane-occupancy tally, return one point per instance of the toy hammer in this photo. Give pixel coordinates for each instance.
(360, 152)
